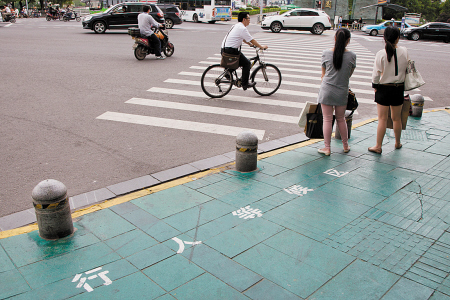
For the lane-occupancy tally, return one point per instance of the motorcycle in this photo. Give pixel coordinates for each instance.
(71, 15)
(9, 18)
(50, 17)
(142, 47)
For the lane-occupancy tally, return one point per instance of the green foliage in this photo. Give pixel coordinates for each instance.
(431, 10)
(256, 11)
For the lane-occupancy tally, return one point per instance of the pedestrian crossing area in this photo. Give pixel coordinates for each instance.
(299, 59)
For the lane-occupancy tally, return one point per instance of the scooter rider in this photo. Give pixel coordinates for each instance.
(145, 23)
(231, 44)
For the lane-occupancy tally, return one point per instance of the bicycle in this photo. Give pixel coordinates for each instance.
(217, 81)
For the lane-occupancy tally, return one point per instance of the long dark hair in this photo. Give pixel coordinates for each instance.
(342, 35)
(391, 35)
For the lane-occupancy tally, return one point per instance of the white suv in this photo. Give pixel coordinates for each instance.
(312, 20)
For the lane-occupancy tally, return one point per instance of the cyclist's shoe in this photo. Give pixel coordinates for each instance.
(249, 85)
(160, 57)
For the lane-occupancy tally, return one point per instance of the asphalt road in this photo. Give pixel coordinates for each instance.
(57, 79)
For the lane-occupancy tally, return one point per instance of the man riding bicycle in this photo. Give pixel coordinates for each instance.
(232, 43)
(145, 23)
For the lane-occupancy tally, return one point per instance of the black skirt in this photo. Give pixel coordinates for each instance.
(390, 95)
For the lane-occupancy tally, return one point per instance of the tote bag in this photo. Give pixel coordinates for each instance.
(413, 79)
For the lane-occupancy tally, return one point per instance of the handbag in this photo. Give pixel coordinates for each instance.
(352, 103)
(229, 61)
(413, 79)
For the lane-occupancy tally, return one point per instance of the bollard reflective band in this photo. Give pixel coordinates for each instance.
(416, 104)
(49, 206)
(248, 150)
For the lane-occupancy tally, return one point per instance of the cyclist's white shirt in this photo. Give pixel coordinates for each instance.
(237, 34)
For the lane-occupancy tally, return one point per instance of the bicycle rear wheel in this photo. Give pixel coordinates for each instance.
(267, 78)
(216, 81)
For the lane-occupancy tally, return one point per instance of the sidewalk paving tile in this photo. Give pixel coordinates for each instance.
(12, 284)
(131, 242)
(227, 270)
(105, 224)
(56, 268)
(206, 287)
(243, 236)
(173, 272)
(269, 290)
(171, 201)
(287, 272)
(360, 280)
(150, 256)
(125, 288)
(30, 248)
(406, 289)
(66, 288)
(5, 262)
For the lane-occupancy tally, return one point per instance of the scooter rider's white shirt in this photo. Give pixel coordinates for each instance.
(238, 34)
(145, 22)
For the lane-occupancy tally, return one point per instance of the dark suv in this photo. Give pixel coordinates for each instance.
(120, 16)
(172, 14)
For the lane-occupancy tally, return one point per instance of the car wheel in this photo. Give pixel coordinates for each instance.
(317, 29)
(276, 27)
(99, 27)
(415, 36)
(374, 32)
(169, 23)
(78, 19)
(195, 18)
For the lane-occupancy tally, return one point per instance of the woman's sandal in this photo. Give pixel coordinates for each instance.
(399, 146)
(324, 151)
(347, 150)
(375, 150)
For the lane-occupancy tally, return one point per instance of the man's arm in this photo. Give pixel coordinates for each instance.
(255, 43)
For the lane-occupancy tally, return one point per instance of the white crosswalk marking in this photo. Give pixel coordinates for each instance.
(298, 57)
(177, 124)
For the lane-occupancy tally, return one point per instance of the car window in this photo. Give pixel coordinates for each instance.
(172, 9)
(117, 9)
(304, 13)
(294, 13)
(312, 13)
(433, 26)
(134, 8)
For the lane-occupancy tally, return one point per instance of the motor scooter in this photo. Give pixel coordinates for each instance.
(71, 15)
(9, 18)
(54, 16)
(142, 47)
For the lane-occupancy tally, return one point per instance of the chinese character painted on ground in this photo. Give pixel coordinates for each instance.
(298, 190)
(181, 244)
(83, 282)
(247, 212)
(336, 173)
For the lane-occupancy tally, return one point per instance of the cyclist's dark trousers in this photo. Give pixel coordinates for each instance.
(243, 62)
(156, 43)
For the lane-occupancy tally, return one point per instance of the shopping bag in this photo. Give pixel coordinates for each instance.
(413, 79)
(314, 124)
(405, 114)
(305, 110)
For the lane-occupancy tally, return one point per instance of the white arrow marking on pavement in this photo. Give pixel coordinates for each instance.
(214, 110)
(180, 245)
(177, 124)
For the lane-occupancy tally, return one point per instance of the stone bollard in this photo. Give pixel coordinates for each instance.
(246, 151)
(417, 102)
(349, 121)
(52, 208)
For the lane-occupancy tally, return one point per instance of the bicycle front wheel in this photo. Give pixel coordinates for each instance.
(267, 78)
(216, 81)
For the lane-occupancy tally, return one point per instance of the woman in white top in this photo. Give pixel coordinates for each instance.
(388, 79)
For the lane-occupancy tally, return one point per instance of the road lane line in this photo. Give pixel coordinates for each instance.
(215, 110)
(177, 124)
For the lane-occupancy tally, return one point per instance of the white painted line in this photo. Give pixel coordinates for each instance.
(256, 100)
(284, 75)
(214, 110)
(301, 54)
(94, 270)
(180, 245)
(177, 124)
(279, 91)
(315, 66)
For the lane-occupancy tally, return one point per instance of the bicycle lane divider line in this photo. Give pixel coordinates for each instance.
(256, 100)
(177, 124)
(214, 110)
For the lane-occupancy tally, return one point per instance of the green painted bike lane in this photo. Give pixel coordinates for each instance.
(347, 226)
